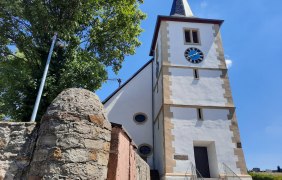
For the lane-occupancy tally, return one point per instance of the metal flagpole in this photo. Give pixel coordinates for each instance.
(35, 109)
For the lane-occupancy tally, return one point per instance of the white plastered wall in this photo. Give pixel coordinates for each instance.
(158, 97)
(159, 144)
(159, 59)
(158, 91)
(178, 47)
(214, 129)
(134, 97)
(207, 90)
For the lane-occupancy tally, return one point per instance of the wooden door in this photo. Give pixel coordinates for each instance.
(202, 161)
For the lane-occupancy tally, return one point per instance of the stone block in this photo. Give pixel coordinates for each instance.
(97, 119)
(47, 140)
(57, 154)
(93, 144)
(93, 155)
(82, 129)
(70, 141)
(3, 143)
(40, 155)
(103, 158)
(181, 157)
(76, 155)
(107, 146)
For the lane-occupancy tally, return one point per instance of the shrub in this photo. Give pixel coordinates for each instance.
(266, 176)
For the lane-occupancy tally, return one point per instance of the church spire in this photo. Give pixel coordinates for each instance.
(181, 7)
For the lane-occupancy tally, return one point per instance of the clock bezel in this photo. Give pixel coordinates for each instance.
(189, 59)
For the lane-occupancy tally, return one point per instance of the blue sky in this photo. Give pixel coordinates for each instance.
(252, 39)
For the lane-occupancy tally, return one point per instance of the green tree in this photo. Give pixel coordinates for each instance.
(2, 116)
(98, 34)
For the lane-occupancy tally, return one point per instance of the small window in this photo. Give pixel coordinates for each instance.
(196, 74)
(157, 52)
(157, 61)
(188, 36)
(195, 36)
(140, 118)
(200, 114)
(157, 69)
(157, 86)
(145, 150)
(192, 36)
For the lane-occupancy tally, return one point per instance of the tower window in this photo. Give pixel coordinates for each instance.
(188, 36)
(192, 36)
(196, 74)
(200, 114)
(195, 36)
(157, 68)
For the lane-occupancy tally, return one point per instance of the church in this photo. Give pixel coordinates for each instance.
(178, 107)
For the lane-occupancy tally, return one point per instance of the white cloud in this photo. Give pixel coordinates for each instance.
(203, 4)
(228, 63)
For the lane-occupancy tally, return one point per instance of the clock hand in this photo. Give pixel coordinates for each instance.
(193, 55)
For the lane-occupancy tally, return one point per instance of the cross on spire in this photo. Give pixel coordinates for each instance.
(181, 8)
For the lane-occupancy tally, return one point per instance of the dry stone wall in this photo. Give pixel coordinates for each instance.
(74, 139)
(17, 141)
(72, 142)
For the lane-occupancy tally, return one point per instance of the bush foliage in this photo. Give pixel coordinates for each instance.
(266, 176)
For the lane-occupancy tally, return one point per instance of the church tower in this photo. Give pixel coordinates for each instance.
(194, 121)
(178, 108)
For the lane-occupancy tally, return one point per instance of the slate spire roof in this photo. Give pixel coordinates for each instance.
(181, 8)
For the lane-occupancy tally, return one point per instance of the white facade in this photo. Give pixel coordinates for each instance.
(159, 144)
(184, 112)
(134, 97)
(177, 45)
(213, 132)
(207, 90)
(157, 79)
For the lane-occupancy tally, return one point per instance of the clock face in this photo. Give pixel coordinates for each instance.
(194, 55)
